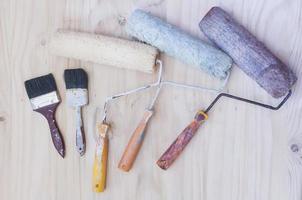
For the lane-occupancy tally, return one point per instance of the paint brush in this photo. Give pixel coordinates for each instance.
(44, 99)
(76, 81)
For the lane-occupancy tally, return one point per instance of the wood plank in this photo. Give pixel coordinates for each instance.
(241, 152)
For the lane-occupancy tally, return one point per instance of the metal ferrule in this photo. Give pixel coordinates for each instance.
(77, 97)
(44, 100)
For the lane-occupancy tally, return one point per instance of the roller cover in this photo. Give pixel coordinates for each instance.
(104, 50)
(248, 53)
(178, 44)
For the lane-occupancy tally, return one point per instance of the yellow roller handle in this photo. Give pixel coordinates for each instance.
(100, 159)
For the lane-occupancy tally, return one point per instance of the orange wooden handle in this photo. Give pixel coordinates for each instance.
(134, 143)
(170, 155)
(100, 159)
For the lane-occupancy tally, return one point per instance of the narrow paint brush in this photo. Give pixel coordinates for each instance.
(76, 81)
(44, 99)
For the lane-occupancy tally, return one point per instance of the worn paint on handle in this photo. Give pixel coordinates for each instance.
(170, 155)
(49, 113)
(80, 135)
(100, 159)
(135, 143)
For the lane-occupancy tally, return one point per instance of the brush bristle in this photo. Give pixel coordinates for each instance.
(40, 85)
(76, 78)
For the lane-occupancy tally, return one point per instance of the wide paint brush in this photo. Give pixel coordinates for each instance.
(76, 81)
(44, 99)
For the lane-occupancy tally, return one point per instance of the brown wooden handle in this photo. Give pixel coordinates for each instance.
(56, 137)
(49, 113)
(134, 143)
(170, 155)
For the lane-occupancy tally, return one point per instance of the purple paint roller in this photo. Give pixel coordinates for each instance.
(251, 55)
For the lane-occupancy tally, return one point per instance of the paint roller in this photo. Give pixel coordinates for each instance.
(178, 44)
(252, 56)
(104, 50)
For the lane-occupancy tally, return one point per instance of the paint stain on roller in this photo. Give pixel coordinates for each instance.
(294, 148)
(122, 20)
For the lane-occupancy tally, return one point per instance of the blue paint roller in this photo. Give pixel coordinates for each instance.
(178, 44)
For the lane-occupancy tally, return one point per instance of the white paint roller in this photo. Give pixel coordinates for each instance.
(104, 50)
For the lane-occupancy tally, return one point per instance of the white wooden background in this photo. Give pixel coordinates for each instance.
(241, 152)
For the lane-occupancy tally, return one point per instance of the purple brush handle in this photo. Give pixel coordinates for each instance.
(49, 113)
(170, 155)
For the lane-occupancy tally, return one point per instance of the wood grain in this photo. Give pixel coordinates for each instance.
(244, 152)
(182, 140)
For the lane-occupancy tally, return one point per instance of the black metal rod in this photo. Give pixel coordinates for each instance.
(249, 101)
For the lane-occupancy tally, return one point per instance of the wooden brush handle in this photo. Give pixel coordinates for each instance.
(49, 113)
(56, 137)
(100, 159)
(135, 143)
(80, 135)
(181, 141)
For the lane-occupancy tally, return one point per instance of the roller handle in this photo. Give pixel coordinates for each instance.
(135, 143)
(170, 155)
(100, 159)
